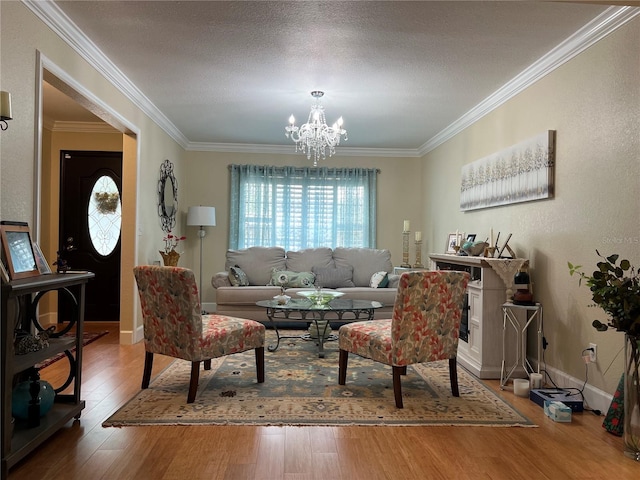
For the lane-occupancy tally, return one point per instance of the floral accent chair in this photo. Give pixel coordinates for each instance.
(174, 326)
(424, 328)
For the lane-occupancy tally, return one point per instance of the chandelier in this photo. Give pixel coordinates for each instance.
(315, 137)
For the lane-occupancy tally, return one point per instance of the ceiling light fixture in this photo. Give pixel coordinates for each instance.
(315, 137)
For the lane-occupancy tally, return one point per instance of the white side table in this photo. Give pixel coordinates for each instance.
(510, 317)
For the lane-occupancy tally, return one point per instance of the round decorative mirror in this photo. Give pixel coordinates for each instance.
(167, 196)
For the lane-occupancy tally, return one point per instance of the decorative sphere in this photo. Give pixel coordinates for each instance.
(21, 397)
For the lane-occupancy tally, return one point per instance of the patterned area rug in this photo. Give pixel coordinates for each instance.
(302, 389)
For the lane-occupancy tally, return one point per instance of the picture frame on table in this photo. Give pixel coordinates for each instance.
(17, 248)
(452, 240)
(41, 261)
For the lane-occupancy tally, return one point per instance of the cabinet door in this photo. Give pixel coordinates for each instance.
(475, 324)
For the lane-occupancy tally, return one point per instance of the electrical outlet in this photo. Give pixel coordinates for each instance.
(592, 352)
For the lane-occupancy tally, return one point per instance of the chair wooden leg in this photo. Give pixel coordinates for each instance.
(453, 376)
(342, 367)
(404, 370)
(260, 364)
(193, 384)
(207, 364)
(397, 387)
(148, 365)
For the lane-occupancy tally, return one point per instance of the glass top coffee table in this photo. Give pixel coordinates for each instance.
(304, 310)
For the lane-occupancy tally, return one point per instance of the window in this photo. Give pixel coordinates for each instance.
(297, 208)
(105, 215)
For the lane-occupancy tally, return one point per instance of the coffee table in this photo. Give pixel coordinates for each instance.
(303, 310)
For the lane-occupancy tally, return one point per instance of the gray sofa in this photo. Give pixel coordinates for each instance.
(259, 271)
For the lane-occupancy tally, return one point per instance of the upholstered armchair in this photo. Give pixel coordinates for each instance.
(424, 328)
(174, 326)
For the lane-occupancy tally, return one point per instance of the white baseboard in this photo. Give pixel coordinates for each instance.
(594, 397)
(209, 307)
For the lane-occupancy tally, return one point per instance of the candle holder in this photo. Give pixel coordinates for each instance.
(418, 263)
(405, 250)
(457, 249)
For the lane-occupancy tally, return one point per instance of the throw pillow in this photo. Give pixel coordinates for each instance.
(329, 277)
(290, 279)
(237, 277)
(379, 280)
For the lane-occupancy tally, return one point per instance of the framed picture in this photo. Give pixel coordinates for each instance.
(452, 241)
(18, 251)
(471, 237)
(41, 261)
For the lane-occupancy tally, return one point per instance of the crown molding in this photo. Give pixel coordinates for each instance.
(79, 127)
(604, 24)
(601, 26)
(61, 24)
(289, 150)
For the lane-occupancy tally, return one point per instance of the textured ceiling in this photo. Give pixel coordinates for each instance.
(398, 72)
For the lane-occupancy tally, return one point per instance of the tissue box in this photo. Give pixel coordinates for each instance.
(557, 411)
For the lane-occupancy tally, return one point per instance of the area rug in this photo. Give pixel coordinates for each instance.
(302, 389)
(87, 338)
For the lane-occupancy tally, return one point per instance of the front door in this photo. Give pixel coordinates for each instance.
(90, 226)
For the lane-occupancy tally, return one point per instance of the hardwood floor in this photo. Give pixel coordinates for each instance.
(112, 375)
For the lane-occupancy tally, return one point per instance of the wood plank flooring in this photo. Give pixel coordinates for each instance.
(112, 374)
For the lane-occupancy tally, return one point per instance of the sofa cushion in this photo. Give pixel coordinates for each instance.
(365, 262)
(238, 277)
(257, 262)
(289, 279)
(379, 280)
(305, 260)
(332, 277)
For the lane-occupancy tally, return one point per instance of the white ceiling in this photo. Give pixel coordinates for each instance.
(400, 73)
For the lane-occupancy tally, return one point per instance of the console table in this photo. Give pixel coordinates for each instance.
(481, 352)
(19, 310)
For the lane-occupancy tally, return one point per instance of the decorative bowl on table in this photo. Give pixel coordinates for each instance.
(322, 297)
(282, 299)
(474, 249)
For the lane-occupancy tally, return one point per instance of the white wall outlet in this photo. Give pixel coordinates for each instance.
(592, 352)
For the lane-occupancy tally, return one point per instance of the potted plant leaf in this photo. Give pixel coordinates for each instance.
(615, 288)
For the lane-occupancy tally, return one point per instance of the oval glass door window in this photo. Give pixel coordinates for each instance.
(105, 215)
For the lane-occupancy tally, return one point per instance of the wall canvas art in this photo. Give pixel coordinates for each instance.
(520, 173)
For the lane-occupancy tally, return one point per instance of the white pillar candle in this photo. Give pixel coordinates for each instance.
(406, 226)
(457, 238)
(491, 237)
(418, 236)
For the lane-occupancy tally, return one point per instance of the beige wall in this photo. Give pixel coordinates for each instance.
(593, 102)
(207, 177)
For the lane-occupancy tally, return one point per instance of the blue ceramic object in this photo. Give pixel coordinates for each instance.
(21, 396)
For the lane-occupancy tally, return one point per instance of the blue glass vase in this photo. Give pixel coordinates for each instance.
(21, 397)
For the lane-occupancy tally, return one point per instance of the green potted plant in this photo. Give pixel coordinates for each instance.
(615, 288)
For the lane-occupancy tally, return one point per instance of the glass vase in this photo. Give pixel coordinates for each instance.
(631, 433)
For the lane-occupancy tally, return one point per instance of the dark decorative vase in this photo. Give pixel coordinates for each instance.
(631, 433)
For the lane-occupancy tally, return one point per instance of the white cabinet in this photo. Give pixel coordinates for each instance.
(481, 351)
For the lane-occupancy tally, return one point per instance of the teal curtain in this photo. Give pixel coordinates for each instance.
(297, 208)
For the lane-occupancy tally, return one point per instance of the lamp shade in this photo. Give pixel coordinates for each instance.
(202, 216)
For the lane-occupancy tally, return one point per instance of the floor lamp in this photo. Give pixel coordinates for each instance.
(201, 217)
